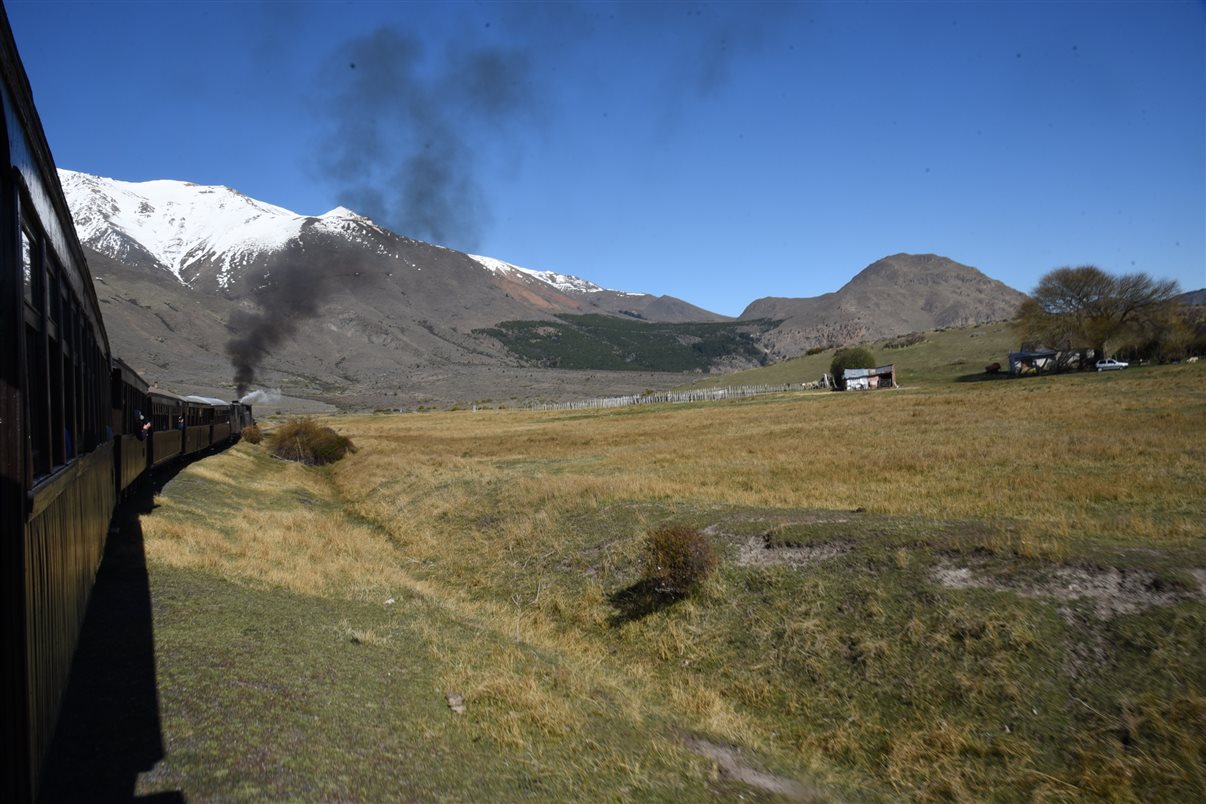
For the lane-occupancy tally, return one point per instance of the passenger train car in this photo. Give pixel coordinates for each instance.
(78, 429)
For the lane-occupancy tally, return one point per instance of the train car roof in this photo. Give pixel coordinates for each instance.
(166, 395)
(209, 400)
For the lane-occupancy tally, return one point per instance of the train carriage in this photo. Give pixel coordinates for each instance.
(130, 412)
(198, 425)
(167, 427)
(78, 428)
(57, 490)
(220, 415)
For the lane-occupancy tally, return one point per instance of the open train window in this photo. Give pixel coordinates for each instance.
(31, 278)
(36, 380)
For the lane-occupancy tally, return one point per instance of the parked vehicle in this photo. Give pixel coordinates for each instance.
(1110, 364)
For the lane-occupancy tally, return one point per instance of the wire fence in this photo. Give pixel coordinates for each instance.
(663, 397)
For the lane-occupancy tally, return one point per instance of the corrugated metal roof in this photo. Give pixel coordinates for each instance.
(855, 373)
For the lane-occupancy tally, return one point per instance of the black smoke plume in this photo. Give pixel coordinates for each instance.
(288, 294)
(404, 125)
(406, 119)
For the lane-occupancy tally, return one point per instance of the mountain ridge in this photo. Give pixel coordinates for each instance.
(206, 282)
(206, 235)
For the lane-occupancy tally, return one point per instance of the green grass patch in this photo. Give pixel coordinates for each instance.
(270, 695)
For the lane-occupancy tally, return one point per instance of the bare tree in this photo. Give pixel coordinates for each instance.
(1085, 307)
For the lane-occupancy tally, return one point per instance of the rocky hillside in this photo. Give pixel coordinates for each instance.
(892, 296)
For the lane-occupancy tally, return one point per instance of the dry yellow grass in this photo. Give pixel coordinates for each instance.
(483, 515)
(1062, 458)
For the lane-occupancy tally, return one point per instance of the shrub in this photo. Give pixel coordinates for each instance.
(816, 350)
(251, 434)
(677, 559)
(900, 342)
(853, 357)
(303, 440)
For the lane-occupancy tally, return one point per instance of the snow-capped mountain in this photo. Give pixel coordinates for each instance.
(184, 227)
(197, 232)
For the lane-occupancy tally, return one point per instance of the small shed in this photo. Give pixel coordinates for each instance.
(1036, 361)
(867, 379)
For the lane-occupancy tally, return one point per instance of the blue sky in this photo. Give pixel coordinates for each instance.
(714, 152)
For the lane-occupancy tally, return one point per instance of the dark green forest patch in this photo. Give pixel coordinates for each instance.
(608, 343)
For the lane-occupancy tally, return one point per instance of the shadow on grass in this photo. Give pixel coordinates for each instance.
(638, 601)
(108, 730)
(981, 376)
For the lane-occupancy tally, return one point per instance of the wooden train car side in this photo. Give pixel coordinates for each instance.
(72, 435)
(56, 465)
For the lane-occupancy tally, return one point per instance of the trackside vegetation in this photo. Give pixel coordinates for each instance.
(306, 441)
(970, 591)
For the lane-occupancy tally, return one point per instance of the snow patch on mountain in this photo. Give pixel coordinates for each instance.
(177, 223)
(565, 283)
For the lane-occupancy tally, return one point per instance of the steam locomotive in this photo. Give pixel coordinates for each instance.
(78, 429)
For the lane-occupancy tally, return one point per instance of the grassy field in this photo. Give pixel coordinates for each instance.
(968, 591)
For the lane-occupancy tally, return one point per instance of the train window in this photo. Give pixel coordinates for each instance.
(70, 392)
(27, 267)
(82, 397)
(52, 280)
(57, 431)
(87, 411)
(35, 385)
(163, 417)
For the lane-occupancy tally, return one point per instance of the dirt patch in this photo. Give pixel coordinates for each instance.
(769, 548)
(1199, 575)
(1112, 591)
(728, 763)
(756, 551)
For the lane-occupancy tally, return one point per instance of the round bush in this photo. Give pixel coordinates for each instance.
(251, 434)
(305, 441)
(678, 559)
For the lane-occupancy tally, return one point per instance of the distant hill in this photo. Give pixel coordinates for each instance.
(1193, 297)
(892, 296)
